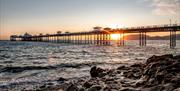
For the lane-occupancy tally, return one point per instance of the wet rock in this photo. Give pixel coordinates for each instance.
(72, 87)
(133, 74)
(151, 82)
(139, 83)
(173, 67)
(168, 87)
(87, 84)
(95, 88)
(159, 73)
(43, 86)
(50, 83)
(137, 65)
(156, 88)
(158, 58)
(161, 70)
(121, 67)
(97, 72)
(176, 81)
(177, 57)
(62, 79)
(82, 89)
(177, 89)
(129, 89)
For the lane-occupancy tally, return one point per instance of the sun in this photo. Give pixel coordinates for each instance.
(115, 36)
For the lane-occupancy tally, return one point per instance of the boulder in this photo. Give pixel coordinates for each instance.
(158, 58)
(87, 84)
(61, 79)
(95, 88)
(97, 72)
(72, 87)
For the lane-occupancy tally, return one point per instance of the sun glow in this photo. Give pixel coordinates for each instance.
(115, 36)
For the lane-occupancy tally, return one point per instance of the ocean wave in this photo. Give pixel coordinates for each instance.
(21, 69)
(17, 69)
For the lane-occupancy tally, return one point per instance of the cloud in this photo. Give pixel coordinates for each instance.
(166, 7)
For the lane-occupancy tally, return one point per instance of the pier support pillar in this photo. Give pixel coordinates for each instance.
(173, 38)
(98, 42)
(85, 39)
(94, 39)
(100, 39)
(106, 39)
(142, 38)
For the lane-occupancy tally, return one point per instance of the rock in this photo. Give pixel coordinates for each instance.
(72, 87)
(159, 73)
(82, 89)
(95, 88)
(87, 84)
(121, 67)
(177, 57)
(176, 81)
(97, 72)
(129, 89)
(62, 79)
(156, 88)
(160, 76)
(177, 89)
(139, 83)
(137, 65)
(168, 87)
(158, 58)
(174, 67)
(43, 86)
(133, 74)
(50, 83)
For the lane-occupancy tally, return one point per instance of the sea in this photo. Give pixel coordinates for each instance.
(27, 65)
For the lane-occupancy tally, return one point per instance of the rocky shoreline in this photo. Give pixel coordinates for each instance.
(158, 73)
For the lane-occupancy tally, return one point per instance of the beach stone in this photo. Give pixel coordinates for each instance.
(87, 84)
(97, 72)
(160, 76)
(177, 57)
(137, 65)
(121, 67)
(43, 86)
(95, 88)
(129, 89)
(156, 88)
(62, 79)
(50, 83)
(176, 81)
(177, 89)
(72, 87)
(158, 58)
(82, 89)
(168, 87)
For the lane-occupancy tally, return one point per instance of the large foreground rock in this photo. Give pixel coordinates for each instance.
(158, 73)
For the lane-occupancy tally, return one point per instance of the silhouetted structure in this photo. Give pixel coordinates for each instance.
(100, 36)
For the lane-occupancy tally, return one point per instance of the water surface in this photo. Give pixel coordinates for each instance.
(29, 64)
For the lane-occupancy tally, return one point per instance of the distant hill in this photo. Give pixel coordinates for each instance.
(136, 37)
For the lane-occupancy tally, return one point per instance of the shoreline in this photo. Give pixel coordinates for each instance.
(158, 73)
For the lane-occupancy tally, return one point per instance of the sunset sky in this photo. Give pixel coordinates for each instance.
(49, 16)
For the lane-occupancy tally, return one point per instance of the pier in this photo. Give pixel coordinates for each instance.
(102, 36)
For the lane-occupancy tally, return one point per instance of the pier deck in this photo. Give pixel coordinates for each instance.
(100, 36)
